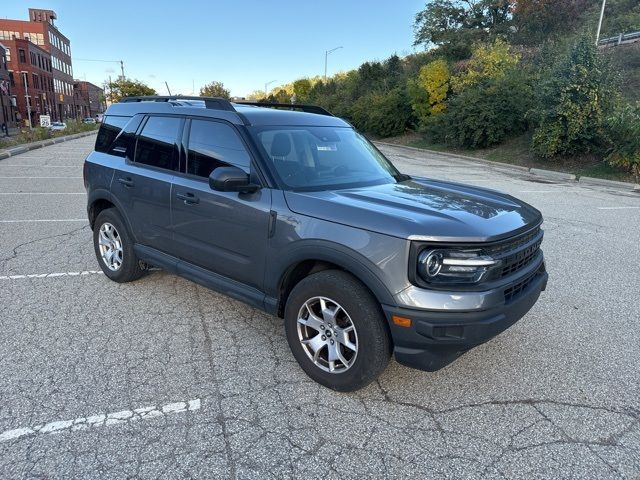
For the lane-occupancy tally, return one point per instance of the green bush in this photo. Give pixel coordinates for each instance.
(571, 102)
(383, 114)
(484, 114)
(623, 131)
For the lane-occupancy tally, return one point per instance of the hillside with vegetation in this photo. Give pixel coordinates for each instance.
(520, 79)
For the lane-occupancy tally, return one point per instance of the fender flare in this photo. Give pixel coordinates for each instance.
(323, 250)
(104, 194)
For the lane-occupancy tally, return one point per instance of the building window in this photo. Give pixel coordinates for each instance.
(22, 56)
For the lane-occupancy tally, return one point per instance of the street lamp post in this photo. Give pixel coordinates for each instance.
(326, 55)
(26, 98)
(266, 85)
(600, 22)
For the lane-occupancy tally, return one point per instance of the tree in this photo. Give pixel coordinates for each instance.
(256, 95)
(572, 101)
(536, 21)
(215, 89)
(301, 89)
(487, 61)
(428, 92)
(434, 77)
(125, 87)
(455, 25)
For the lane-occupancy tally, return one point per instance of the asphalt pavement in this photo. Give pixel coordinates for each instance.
(161, 378)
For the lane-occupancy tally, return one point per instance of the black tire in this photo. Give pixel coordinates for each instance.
(130, 268)
(373, 340)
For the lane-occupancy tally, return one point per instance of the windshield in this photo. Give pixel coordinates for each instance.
(322, 158)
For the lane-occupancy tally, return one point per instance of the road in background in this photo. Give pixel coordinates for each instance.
(162, 378)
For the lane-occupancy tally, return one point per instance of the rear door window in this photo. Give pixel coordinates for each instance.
(157, 144)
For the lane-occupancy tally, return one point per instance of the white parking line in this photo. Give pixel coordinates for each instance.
(618, 208)
(101, 420)
(537, 191)
(46, 220)
(51, 275)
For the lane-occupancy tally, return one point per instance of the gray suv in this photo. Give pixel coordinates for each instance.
(292, 211)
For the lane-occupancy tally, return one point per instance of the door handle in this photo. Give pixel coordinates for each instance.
(127, 182)
(188, 198)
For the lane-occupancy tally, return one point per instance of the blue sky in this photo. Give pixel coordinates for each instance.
(242, 43)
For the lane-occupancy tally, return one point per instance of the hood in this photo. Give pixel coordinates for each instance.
(421, 209)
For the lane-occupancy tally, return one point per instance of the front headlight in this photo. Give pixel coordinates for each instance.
(453, 266)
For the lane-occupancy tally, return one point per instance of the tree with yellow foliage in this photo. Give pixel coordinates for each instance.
(429, 90)
(488, 62)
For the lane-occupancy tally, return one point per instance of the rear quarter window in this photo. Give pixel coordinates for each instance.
(109, 130)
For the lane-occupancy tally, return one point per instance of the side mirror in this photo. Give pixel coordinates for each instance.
(231, 179)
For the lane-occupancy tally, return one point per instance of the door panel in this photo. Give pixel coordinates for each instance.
(225, 232)
(144, 184)
(145, 194)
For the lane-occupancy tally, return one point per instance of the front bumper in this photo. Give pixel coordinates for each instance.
(437, 337)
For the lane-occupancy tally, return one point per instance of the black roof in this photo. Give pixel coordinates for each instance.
(239, 113)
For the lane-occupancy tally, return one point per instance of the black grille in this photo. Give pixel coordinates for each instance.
(513, 292)
(516, 253)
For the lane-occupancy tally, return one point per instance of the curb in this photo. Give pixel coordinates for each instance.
(552, 174)
(18, 149)
(455, 155)
(608, 183)
(539, 172)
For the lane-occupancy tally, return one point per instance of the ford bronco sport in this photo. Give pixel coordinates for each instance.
(291, 210)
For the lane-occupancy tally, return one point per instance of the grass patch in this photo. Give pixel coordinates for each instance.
(516, 151)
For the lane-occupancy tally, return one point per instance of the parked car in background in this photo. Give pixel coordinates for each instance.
(57, 126)
(88, 120)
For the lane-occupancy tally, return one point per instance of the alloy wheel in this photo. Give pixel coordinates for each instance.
(327, 334)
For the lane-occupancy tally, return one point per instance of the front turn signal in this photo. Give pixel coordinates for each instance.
(401, 321)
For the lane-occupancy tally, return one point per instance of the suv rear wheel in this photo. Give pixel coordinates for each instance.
(114, 248)
(337, 331)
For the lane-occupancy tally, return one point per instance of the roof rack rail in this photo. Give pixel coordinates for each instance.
(215, 103)
(291, 106)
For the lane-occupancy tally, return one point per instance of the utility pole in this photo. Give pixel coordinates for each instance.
(122, 68)
(326, 55)
(26, 98)
(266, 86)
(168, 89)
(600, 22)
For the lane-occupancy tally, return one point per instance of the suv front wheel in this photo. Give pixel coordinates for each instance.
(337, 331)
(114, 248)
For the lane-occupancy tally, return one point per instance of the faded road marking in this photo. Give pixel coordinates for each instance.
(617, 208)
(51, 275)
(101, 420)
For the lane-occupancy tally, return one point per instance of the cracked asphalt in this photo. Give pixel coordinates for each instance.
(555, 396)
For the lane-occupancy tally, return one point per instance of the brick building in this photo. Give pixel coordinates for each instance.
(31, 80)
(6, 101)
(89, 99)
(41, 31)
